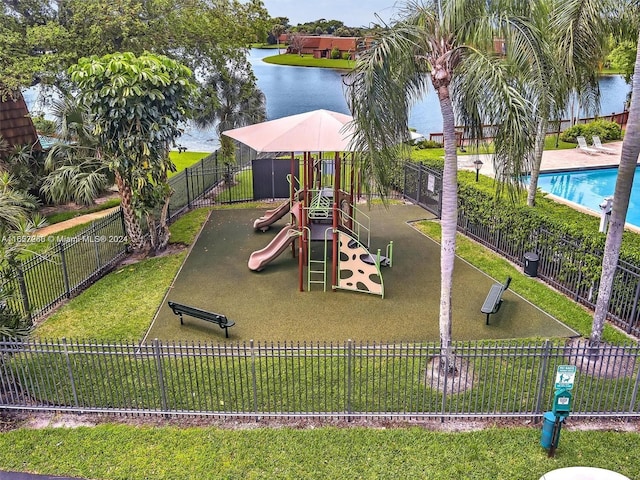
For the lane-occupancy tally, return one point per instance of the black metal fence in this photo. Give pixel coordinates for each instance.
(423, 186)
(563, 263)
(48, 278)
(347, 380)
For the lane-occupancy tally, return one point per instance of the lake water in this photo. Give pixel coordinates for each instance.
(292, 90)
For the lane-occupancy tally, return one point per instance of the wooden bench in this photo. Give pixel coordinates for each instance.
(221, 320)
(494, 298)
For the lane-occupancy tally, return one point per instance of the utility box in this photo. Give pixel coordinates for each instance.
(531, 264)
(562, 403)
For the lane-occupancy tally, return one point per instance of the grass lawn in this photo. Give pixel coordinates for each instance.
(121, 305)
(110, 451)
(183, 160)
(295, 60)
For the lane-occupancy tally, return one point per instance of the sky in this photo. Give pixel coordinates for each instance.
(353, 13)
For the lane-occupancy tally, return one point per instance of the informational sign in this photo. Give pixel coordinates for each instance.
(565, 376)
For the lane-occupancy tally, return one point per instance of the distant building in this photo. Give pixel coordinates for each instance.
(16, 126)
(321, 46)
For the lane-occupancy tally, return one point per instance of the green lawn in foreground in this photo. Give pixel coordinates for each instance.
(128, 452)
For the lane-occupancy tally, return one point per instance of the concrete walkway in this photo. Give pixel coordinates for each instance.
(553, 160)
(72, 222)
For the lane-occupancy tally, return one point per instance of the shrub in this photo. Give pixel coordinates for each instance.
(346, 56)
(428, 144)
(335, 54)
(604, 129)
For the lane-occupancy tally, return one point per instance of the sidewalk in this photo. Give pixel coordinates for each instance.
(553, 160)
(72, 222)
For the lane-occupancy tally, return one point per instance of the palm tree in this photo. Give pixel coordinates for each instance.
(17, 220)
(558, 81)
(622, 192)
(77, 170)
(575, 21)
(230, 99)
(448, 45)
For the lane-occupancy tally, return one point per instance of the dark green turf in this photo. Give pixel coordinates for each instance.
(267, 305)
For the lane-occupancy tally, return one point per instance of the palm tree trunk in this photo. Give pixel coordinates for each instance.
(449, 220)
(131, 224)
(537, 161)
(624, 182)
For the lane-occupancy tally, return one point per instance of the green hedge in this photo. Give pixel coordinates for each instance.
(604, 129)
(480, 202)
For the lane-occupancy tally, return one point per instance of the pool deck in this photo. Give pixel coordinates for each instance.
(554, 160)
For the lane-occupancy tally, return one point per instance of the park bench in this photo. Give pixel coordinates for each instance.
(494, 298)
(221, 320)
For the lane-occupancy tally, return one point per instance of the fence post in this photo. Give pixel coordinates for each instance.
(634, 395)
(23, 292)
(634, 309)
(65, 273)
(254, 381)
(158, 356)
(443, 406)
(349, 378)
(186, 180)
(70, 371)
(546, 352)
(96, 242)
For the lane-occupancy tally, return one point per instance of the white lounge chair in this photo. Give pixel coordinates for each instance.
(597, 144)
(582, 145)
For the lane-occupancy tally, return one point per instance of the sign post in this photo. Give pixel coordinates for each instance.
(562, 399)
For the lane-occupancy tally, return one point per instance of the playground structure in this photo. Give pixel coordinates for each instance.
(322, 209)
(321, 203)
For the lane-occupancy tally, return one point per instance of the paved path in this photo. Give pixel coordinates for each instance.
(72, 222)
(553, 159)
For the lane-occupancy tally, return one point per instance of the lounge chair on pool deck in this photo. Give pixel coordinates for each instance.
(582, 145)
(597, 144)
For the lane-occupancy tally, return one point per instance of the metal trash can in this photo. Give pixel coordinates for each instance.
(548, 424)
(531, 264)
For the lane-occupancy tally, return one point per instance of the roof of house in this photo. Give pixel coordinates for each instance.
(16, 126)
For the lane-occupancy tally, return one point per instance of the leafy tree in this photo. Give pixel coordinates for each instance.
(136, 105)
(447, 45)
(623, 58)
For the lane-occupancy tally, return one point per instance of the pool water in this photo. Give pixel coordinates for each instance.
(589, 187)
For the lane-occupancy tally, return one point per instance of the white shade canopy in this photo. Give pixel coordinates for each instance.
(316, 131)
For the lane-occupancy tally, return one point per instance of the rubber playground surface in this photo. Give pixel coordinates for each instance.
(268, 306)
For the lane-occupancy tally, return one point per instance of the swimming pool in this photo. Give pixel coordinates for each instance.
(588, 187)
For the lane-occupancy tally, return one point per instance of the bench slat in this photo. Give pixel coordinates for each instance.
(221, 320)
(493, 301)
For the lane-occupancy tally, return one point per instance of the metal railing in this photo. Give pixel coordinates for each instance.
(346, 380)
(566, 265)
(554, 127)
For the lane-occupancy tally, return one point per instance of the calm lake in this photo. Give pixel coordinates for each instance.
(292, 90)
